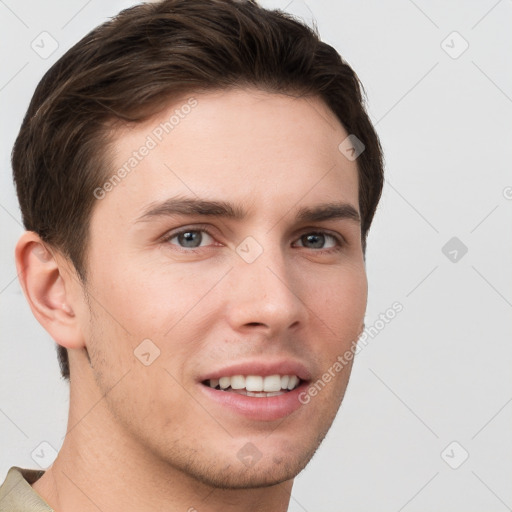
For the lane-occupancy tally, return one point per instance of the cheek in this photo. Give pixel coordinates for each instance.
(146, 297)
(167, 304)
(341, 302)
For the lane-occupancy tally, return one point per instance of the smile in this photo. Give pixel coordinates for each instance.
(255, 385)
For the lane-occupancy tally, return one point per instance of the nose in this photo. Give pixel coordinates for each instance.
(265, 294)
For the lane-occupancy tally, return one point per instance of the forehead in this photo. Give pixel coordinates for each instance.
(265, 150)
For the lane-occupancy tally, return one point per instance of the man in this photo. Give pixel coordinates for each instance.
(197, 181)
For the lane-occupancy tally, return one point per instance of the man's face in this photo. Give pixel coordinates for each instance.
(263, 295)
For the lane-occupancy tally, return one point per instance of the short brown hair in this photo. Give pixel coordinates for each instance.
(128, 68)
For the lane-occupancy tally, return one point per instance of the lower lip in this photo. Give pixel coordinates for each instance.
(257, 408)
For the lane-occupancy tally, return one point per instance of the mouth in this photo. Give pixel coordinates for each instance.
(255, 386)
(257, 389)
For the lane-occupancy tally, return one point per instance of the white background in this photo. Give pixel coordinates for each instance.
(441, 370)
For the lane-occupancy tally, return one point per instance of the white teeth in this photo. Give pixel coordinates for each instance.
(224, 382)
(294, 380)
(272, 383)
(256, 385)
(238, 382)
(262, 395)
(250, 393)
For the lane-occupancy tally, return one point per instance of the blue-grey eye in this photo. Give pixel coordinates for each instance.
(316, 240)
(189, 239)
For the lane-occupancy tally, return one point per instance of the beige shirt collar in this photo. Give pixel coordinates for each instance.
(16, 494)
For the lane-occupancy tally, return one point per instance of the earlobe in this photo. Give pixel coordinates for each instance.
(47, 288)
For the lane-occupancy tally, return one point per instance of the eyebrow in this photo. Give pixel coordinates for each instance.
(224, 209)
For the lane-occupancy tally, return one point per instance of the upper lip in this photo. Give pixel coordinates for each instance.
(260, 367)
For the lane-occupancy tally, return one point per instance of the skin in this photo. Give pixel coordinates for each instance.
(144, 438)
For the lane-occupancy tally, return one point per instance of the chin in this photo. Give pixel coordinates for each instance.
(235, 476)
(271, 469)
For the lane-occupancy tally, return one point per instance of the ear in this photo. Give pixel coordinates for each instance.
(49, 289)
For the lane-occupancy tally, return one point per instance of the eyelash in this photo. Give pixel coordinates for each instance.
(339, 241)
